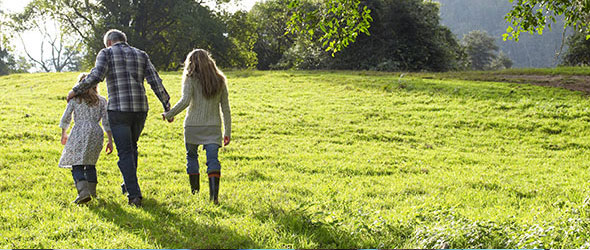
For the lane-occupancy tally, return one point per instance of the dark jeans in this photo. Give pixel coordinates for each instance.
(126, 128)
(192, 165)
(84, 172)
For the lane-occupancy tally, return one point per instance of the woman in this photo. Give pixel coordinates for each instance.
(204, 90)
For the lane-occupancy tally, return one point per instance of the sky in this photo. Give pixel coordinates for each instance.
(32, 40)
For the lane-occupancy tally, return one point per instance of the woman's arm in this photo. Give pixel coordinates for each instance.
(187, 95)
(225, 109)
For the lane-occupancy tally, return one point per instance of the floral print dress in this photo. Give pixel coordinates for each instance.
(86, 138)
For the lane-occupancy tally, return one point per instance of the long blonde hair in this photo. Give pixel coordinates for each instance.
(199, 64)
(91, 95)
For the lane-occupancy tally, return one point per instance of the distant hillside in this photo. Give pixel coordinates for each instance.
(463, 16)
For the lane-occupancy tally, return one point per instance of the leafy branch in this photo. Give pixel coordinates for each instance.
(533, 16)
(338, 22)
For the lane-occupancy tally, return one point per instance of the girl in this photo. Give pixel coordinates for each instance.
(83, 147)
(204, 90)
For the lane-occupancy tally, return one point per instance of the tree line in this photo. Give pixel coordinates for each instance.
(388, 35)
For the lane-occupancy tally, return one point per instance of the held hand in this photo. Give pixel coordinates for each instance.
(109, 148)
(64, 139)
(164, 118)
(226, 140)
(71, 95)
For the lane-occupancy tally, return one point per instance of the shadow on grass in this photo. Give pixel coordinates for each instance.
(303, 224)
(167, 229)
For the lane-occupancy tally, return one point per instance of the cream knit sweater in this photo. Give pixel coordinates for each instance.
(202, 111)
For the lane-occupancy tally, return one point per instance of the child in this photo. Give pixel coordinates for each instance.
(83, 147)
(204, 90)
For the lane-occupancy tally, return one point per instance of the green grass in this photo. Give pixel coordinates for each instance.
(566, 75)
(317, 160)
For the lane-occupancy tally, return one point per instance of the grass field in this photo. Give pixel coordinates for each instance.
(317, 160)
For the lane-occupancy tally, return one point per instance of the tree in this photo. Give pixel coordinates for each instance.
(532, 51)
(273, 40)
(535, 15)
(241, 32)
(502, 61)
(341, 21)
(481, 49)
(405, 35)
(8, 63)
(166, 30)
(578, 52)
(65, 51)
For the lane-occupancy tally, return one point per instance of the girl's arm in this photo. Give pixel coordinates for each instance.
(225, 109)
(65, 121)
(104, 115)
(64, 136)
(187, 95)
(109, 147)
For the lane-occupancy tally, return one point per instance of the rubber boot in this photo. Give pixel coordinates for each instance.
(194, 181)
(83, 192)
(214, 189)
(92, 189)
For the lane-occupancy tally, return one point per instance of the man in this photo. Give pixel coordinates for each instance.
(125, 68)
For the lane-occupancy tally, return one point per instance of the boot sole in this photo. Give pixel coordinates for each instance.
(83, 201)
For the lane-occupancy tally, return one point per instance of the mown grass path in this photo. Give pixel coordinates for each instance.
(317, 160)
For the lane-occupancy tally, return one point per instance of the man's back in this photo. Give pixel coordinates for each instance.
(125, 68)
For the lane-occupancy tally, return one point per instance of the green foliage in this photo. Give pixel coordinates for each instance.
(578, 52)
(405, 35)
(502, 61)
(483, 52)
(531, 51)
(242, 34)
(273, 40)
(340, 22)
(318, 160)
(10, 65)
(166, 30)
(481, 49)
(5, 61)
(533, 16)
(304, 55)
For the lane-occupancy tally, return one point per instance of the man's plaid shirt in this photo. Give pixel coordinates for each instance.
(125, 68)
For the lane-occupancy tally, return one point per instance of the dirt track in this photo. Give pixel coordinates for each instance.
(571, 82)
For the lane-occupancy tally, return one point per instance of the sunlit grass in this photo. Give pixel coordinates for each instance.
(317, 160)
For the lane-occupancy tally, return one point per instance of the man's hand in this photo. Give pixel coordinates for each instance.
(109, 148)
(226, 140)
(71, 95)
(164, 118)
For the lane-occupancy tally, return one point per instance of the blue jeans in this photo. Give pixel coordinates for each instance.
(84, 172)
(192, 164)
(126, 128)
